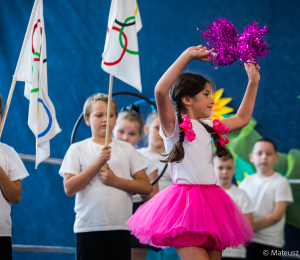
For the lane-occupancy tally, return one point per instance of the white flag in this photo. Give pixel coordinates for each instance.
(32, 69)
(121, 57)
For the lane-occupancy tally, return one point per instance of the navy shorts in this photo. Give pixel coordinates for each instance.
(106, 245)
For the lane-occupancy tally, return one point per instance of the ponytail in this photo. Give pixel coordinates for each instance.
(221, 151)
(177, 153)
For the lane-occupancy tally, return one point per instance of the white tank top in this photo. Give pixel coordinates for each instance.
(197, 166)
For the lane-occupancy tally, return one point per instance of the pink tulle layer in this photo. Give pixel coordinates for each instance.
(191, 215)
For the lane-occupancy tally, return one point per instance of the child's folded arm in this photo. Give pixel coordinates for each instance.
(249, 217)
(76, 182)
(140, 183)
(272, 218)
(12, 190)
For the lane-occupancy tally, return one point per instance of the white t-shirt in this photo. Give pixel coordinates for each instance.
(14, 168)
(197, 166)
(98, 206)
(241, 198)
(264, 192)
(166, 180)
(151, 167)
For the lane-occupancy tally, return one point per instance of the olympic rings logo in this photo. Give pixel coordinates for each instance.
(33, 50)
(122, 34)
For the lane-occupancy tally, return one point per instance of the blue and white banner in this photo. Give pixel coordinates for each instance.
(32, 69)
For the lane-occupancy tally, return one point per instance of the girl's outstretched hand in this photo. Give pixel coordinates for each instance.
(199, 53)
(252, 71)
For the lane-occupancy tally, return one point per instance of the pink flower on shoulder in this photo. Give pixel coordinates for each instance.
(220, 129)
(187, 128)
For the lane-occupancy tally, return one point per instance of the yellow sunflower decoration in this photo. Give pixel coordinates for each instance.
(219, 108)
(245, 176)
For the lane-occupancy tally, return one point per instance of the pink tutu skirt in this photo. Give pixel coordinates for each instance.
(191, 215)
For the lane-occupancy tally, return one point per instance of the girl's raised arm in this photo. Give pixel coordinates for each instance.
(245, 111)
(164, 106)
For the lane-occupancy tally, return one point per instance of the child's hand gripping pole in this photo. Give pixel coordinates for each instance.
(108, 131)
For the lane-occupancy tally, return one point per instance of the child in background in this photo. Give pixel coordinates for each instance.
(154, 152)
(194, 214)
(129, 128)
(224, 168)
(103, 192)
(155, 149)
(12, 171)
(270, 193)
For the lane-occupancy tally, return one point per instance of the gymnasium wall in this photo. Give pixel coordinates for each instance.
(75, 34)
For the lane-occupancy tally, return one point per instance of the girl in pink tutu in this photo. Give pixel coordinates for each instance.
(194, 214)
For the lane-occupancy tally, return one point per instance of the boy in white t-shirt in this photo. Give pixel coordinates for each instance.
(103, 194)
(224, 168)
(270, 193)
(12, 171)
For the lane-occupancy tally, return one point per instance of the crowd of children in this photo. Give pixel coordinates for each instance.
(194, 207)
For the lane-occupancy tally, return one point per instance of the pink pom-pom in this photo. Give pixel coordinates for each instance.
(222, 36)
(251, 45)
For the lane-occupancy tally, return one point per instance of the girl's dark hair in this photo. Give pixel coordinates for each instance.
(188, 85)
(264, 139)
(225, 158)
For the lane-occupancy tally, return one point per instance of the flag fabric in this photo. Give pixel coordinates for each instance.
(32, 69)
(121, 57)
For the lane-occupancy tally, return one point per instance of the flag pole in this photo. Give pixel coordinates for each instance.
(107, 139)
(12, 87)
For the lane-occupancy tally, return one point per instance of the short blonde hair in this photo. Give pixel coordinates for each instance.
(132, 116)
(150, 118)
(88, 105)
